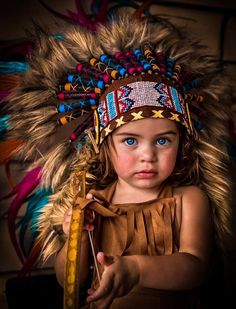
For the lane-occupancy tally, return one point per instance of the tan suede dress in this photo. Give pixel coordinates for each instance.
(147, 228)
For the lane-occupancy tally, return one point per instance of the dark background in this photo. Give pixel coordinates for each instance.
(214, 22)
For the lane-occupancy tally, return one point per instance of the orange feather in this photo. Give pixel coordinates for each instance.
(8, 148)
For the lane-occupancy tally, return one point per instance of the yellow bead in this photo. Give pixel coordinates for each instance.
(70, 289)
(71, 279)
(73, 235)
(73, 243)
(72, 269)
(74, 226)
(69, 302)
(72, 255)
(76, 214)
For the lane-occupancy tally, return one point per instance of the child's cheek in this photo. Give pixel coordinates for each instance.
(124, 164)
(168, 162)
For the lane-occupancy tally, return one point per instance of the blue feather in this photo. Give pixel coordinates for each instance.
(13, 67)
(4, 126)
(59, 36)
(29, 221)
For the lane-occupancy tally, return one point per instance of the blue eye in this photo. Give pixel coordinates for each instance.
(130, 141)
(162, 141)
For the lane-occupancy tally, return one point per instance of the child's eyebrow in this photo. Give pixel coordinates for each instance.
(137, 135)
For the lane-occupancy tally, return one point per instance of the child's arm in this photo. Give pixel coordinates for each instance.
(60, 261)
(183, 270)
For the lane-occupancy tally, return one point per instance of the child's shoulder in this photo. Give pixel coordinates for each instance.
(189, 190)
(192, 205)
(191, 194)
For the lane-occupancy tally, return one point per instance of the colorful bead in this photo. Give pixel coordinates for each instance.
(87, 122)
(161, 61)
(111, 63)
(70, 117)
(169, 67)
(79, 104)
(140, 57)
(104, 68)
(151, 59)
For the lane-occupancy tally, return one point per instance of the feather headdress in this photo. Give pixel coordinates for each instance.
(60, 102)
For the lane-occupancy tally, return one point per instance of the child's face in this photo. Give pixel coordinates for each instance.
(145, 152)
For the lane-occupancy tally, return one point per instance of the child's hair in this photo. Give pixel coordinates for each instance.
(179, 63)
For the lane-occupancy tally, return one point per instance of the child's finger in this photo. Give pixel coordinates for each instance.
(89, 196)
(106, 302)
(90, 291)
(105, 260)
(69, 212)
(105, 290)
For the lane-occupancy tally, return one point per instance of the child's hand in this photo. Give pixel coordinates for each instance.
(120, 276)
(89, 218)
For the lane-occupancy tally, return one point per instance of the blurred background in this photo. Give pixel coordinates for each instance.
(214, 22)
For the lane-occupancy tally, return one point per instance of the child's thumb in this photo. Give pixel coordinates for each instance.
(105, 260)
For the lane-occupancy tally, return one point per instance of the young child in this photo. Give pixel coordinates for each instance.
(154, 158)
(164, 169)
(161, 237)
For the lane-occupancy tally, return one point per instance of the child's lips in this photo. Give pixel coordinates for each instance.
(146, 174)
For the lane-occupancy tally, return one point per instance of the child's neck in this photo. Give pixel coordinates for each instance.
(125, 193)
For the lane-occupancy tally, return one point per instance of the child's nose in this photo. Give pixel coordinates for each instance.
(148, 153)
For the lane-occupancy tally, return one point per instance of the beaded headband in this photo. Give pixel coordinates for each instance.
(128, 86)
(136, 98)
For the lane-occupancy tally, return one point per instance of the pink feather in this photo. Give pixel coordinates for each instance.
(22, 190)
(79, 17)
(4, 94)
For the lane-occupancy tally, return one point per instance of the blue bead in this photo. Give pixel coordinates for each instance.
(100, 84)
(117, 67)
(103, 57)
(168, 73)
(70, 78)
(122, 72)
(170, 61)
(92, 102)
(137, 51)
(61, 108)
(147, 66)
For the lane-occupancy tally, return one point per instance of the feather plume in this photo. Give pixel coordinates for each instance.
(13, 67)
(35, 202)
(4, 94)
(9, 81)
(8, 148)
(79, 17)
(4, 126)
(32, 259)
(21, 192)
(8, 175)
